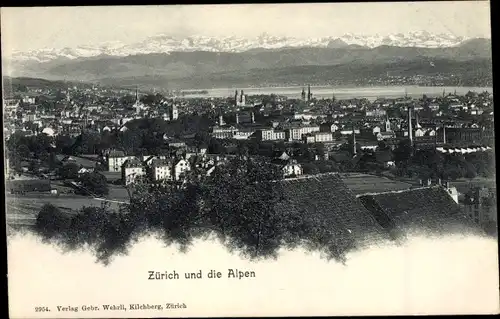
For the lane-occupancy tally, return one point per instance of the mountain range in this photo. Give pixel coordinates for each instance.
(184, 63)
(166, 43)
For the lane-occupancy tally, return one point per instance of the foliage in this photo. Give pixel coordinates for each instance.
(51, 221)
(69, 171)
(238, 203)
(95, 183)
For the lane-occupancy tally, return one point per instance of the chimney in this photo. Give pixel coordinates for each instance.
(429, 182)
(439, 181)
(410, 129)
(447, 184)
(353, 140)
(421, 182)
(444, 134)
(237, 118)
(253, 117)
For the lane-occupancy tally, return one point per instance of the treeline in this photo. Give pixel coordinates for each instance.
(238, 204)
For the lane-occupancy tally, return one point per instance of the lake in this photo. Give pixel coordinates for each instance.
(370, 93)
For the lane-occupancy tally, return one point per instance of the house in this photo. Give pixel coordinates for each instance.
(289, 167)
(29, 186)
(86, 163)
(328, 127)
(161, 170)
(181, 167)
(381, 136)
(115, 160)
(132, 170)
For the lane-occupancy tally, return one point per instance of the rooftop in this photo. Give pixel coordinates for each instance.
(324, 199)
(429, 209)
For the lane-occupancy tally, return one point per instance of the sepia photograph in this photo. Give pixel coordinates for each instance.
(293, 159)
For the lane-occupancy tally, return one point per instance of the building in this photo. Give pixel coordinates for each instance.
(180, 168)
(377, 113)
(115, 160)
(318, 137)
(463, 134)
(306, 97)
(295, 132)
(328, 127)
(479, 204)
(239, 98)
(270, 134)
(223, 132)
(292, 168)
(161, 170)
(245, 117)
(29, 186)
(10, 106)
(132, 171)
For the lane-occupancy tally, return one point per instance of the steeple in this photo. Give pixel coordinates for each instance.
(308, 92)
(303, 94)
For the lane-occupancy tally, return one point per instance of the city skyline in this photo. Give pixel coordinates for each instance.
(25, 29)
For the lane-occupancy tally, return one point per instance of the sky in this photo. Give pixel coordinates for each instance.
(32, 28)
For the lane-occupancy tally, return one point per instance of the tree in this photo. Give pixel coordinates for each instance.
(23, 151)
(310, 169)
(403, 152)
(94, 183)
(34, 166)
(69, 171)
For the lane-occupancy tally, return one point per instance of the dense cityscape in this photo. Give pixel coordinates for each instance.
(87, 145)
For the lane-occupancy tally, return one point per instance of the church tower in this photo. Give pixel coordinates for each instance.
(303, 95)
(242, 98)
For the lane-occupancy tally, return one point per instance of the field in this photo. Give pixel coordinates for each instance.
(24, 209)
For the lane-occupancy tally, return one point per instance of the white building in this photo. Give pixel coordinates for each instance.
(180, 168)
(132, 169)
(271, 135)
(116, 159)
(295, 133)
(161, 170)
(292, 168)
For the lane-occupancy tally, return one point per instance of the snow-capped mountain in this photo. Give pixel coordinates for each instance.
(166, 43)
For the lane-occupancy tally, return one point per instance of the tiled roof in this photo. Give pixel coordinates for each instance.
(324, 199)
(422, 209)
